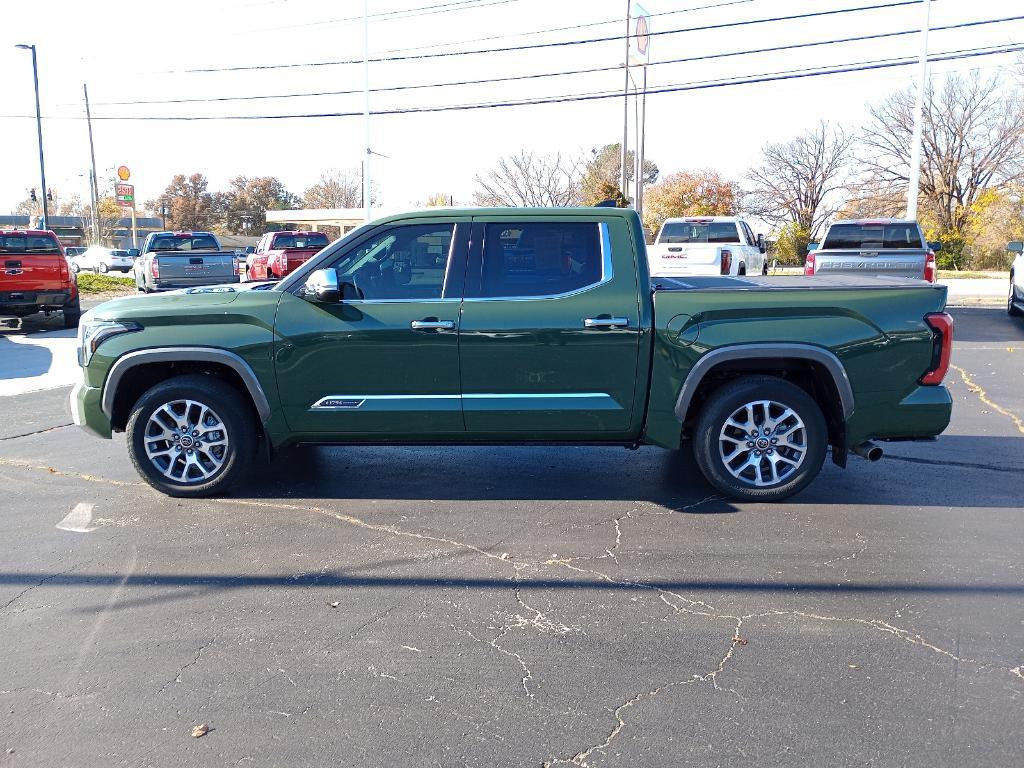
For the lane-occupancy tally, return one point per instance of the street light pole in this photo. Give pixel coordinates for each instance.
(914, 182)
(39, 131)
(367, 204)
(93, 184)
(625, 109)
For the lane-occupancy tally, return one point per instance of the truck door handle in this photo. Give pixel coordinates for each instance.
(432, 325)
(606, 322)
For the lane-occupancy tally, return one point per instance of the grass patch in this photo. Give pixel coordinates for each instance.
(952, 274)
(91, 283)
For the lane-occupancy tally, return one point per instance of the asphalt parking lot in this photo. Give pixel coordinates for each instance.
(514, 606)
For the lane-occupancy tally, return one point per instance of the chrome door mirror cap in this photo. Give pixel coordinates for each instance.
(323, 286)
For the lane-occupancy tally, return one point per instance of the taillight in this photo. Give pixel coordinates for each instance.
(235, 268)
(154, 269)
(726, 262)
(930, 271)
(942, 347)
(809, 264)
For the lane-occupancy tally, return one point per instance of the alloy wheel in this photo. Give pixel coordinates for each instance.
(186, 441)
(763, 443)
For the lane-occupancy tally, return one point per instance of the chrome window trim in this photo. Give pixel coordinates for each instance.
(355, 402)
(607, 271)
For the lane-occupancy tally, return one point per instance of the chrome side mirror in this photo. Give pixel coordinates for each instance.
(323, 286)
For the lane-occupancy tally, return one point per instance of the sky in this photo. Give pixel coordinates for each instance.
(141, 52)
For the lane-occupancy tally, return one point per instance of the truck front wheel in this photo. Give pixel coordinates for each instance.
(760, 438)
(191, 436)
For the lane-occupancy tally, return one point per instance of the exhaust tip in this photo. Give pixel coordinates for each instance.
(868, 451)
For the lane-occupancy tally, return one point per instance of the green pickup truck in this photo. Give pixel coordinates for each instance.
(513, 326)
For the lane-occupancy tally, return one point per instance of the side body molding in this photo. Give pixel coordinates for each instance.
(184, 354)
(767, 351)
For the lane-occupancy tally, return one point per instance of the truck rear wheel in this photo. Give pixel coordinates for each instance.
(72, 312)
(191, 436)
(760, 438)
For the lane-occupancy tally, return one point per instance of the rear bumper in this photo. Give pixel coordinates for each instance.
(87, 412)
(691, 270)
(924, 413)
(186, 282)
(29, 302)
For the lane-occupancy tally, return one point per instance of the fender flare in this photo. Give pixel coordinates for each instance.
(810, 352)
(126, 362)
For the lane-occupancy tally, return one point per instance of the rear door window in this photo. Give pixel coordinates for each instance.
(700, 232)
(29, 244)
(540, 258)
(873, 237)
(184, 243)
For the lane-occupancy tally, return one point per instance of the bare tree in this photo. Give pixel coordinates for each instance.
(797, 182)
(529, 179)
(972, 142)
(336, 189)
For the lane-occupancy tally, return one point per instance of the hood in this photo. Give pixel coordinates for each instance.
(206, 300)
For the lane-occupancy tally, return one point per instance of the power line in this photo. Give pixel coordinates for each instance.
(695, 86)
(561, 73)
(557, 44)
(585, 25)
(404, 13)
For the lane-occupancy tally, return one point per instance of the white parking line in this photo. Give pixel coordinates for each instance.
(79, 519)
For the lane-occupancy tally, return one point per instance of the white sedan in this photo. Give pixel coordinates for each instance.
(98, 258)
(1015, 300)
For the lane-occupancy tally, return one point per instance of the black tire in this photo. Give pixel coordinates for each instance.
(72, 312)
(238, 425)
(724, 403)
(764, 270)
(1011, 307)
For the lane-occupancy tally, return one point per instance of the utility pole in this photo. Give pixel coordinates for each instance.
(93, 186)
(39, 131)
(366, 108)
(640, 148)
(625, 107)
(914, 184)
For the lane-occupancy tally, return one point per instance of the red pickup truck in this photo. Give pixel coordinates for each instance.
(35, 277)
(280, 253)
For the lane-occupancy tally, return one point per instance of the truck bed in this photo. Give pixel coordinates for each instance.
(793, 283)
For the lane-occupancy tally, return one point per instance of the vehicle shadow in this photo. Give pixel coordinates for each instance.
(22, 360)
(972, 469)
(985, 324)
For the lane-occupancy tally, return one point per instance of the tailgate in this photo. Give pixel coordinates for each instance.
(889, 263)
(31, 272)
(212, 266)
(679, 258)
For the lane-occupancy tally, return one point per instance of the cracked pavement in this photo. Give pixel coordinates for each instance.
(521, 606)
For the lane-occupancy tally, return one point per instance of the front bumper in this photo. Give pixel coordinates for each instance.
(87, 412)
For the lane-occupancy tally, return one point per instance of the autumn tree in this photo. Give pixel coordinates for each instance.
(189, 203)
(247, 200)
(437, 200)
(797, 183)
(689, 193)
(973, 139)
(530, 179)
(604, 170)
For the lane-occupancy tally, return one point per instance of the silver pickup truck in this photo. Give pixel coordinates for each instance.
(171, 260)
(884, 247)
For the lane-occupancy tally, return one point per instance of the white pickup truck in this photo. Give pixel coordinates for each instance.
(707, 245)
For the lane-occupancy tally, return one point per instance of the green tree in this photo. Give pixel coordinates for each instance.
(189, 203)
(605, 168)
(247, 200)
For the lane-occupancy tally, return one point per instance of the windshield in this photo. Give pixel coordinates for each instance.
(695, 232)
(28, 244)
(873, 236)
(184, 243)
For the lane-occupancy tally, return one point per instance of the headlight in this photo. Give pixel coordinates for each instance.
(92, 333)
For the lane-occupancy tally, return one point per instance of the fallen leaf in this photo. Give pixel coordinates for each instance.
(740, 641)
(200, 730)
(334, 604)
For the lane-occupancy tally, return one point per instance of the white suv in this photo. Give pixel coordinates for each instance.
(97, 258)
(707, 245)
(1015, 301)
